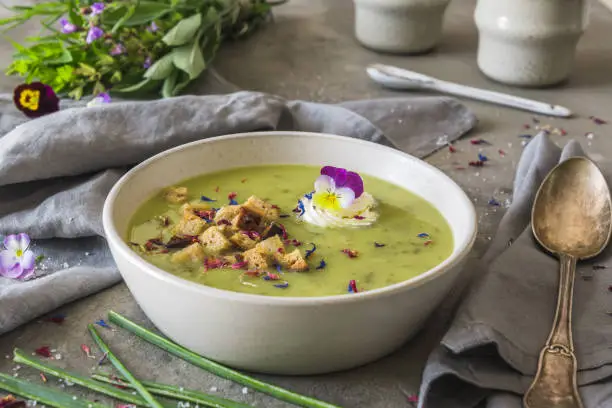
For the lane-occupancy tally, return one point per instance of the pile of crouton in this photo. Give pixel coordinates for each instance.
(247, 234)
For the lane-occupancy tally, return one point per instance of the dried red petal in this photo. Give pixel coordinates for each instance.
(43, 351)
(239, 265)
(350, 253)
(451, 149)
(476, 163)
(217, 189)
(232, 195)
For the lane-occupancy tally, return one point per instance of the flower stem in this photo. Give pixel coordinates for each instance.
(216, 368)
(23, 358)
(43, 394)
(146, 395)
(178, 393)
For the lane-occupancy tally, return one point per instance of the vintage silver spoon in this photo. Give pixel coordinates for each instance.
(571, 218)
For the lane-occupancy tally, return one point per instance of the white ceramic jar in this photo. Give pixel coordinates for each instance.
(399, 26)
(529, 42)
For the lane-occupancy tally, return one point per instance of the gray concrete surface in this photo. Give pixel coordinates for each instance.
(309, 52)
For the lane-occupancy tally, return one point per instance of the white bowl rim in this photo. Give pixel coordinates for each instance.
(445, 266)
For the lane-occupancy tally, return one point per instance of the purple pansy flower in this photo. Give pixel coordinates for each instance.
(337, 188)
(67, 26)
(16, 259)
(35, 99)
(93, 34)
(147, 62)
(97, 8)
(101, 99)
(153, 27)
(118, 49)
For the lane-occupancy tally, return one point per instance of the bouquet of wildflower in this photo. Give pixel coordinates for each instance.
(124, 46)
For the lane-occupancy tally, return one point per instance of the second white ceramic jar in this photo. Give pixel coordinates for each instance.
(529, 42)
(399, 26)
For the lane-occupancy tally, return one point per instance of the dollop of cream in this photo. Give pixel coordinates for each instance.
(361, 213)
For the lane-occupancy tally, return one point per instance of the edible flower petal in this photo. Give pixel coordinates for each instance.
(67, 26)
(93, 34)
(101, 99)
(118, 49)
(35, 99)
(97, 8)
(16, 259)
(344, 178)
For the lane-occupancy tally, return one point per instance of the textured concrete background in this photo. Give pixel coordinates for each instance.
(309, 52)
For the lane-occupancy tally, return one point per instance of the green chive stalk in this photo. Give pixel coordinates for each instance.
(216, 368)
(43, 394)
(146, 395)
(21, 357)
(178, 393)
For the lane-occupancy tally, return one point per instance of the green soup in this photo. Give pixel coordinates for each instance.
(409, 237)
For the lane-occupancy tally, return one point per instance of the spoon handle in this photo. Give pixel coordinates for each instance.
(554, 384)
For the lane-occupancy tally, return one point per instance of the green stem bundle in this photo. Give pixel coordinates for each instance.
(178, 393)
(216, 368)
(146, 395)
(43, 394)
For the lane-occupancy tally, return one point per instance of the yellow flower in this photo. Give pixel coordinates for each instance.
(328, 200)
(29, 99)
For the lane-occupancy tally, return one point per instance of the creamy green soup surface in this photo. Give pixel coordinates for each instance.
(409, 237)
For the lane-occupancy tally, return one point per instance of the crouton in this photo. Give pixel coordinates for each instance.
(192, 208)
(214, 241)
(190, 224)
(246, 220)
(242, 241)
(293, 261)
(265, 210)
(227, 213)
(271, 245)
(256, 259)
(176, 195)
(273, 229)
(192, 253)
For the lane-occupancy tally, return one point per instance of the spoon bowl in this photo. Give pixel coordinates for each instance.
(572, 211)
(571, 218)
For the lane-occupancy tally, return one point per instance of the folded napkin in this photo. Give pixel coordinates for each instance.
(56, 171)
(489, 355)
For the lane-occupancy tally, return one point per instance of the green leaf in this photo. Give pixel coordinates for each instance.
(86, 69)
(170, 84)
(189, 58)
(105, 59)
(64, 58)
(184, 31)
(125, 18)
(161, 68)
(76, 93)
(116, 77)
(146, 12)
(98, 88)
(133, 88)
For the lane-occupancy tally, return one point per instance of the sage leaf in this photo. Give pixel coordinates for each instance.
(189, 58)
(184, 31)
(145, 12)
(133, 88)
(168, 89)
(161, 68)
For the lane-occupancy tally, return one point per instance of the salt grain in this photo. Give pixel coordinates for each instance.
(65, 265)
(245, 390)
(213, 389)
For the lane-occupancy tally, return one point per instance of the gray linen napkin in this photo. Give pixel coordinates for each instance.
(490, 353)
(56, 171)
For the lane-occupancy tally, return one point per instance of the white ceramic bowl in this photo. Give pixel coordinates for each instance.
(286, 335)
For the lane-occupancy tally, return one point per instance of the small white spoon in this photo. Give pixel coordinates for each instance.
(398, 78)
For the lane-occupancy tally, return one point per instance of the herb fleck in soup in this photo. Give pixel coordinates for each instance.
(244, 230)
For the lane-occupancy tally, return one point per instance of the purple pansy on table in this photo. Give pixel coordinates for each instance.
(35, 99)
(17, 261)
(337, 188)
(101, 99)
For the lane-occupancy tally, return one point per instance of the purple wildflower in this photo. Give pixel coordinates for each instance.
(147, 62)
(93, 34)
(67, 26)
(97, 8)
(118, 49)
(16, 260)
(153, 27)
(101, 99)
